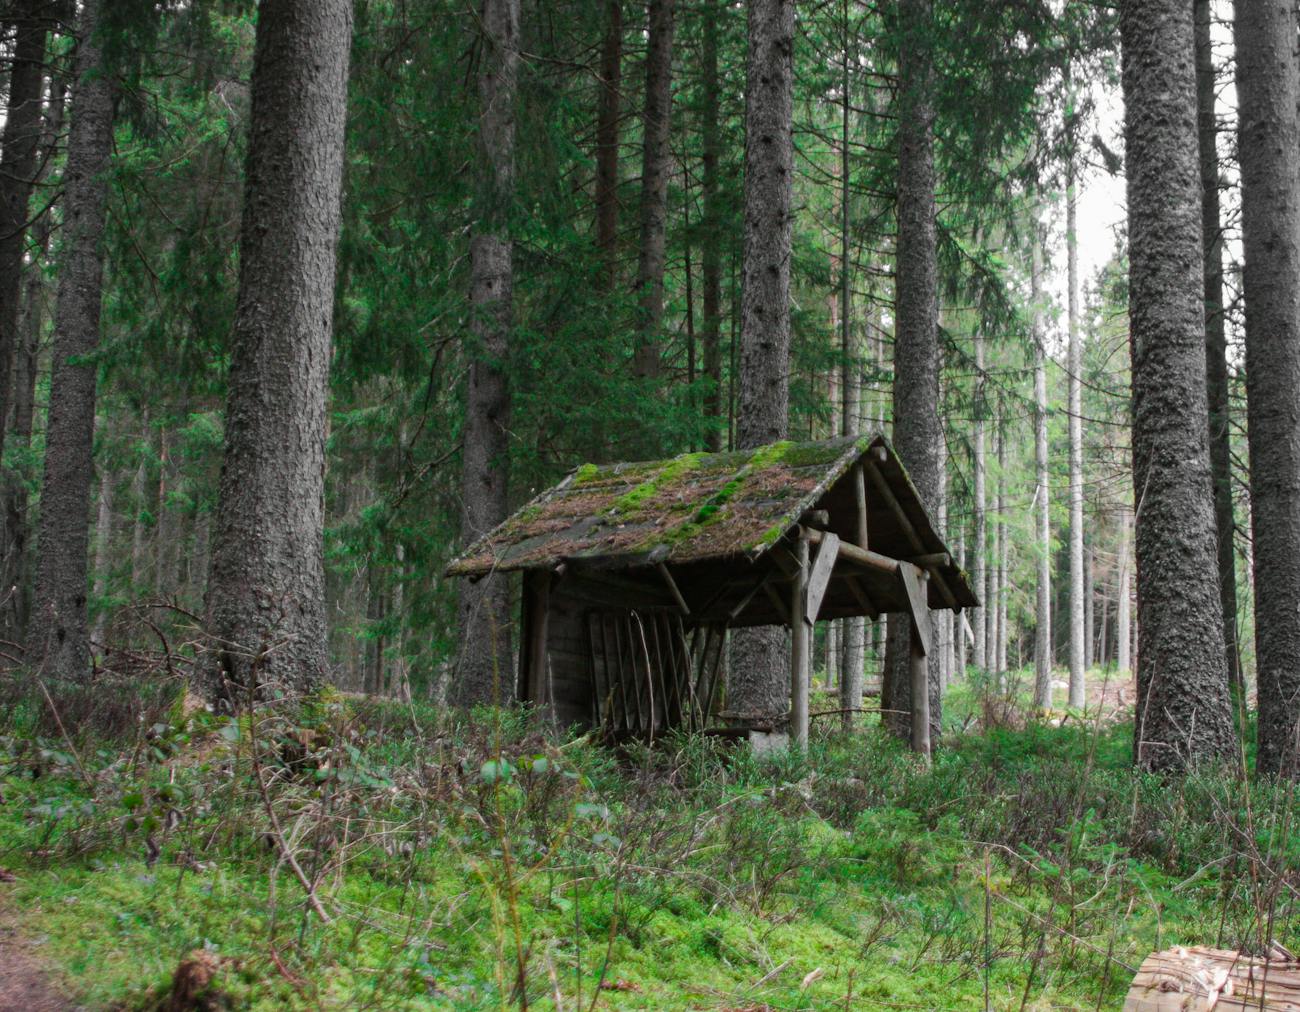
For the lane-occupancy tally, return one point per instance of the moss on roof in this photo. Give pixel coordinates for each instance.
(695, 506)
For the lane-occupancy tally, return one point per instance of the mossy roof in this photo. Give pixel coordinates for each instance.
(691, 508)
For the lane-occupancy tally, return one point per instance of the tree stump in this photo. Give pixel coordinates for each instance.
(1199, 979)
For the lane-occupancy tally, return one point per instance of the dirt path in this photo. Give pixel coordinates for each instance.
(25, 985)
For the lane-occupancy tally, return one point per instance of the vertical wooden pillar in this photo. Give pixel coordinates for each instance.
(914, 581)
(539, 606)
(800, 647)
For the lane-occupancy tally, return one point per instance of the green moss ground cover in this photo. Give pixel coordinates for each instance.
(490, 864)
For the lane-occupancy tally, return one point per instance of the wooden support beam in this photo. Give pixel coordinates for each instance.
(777, 603)
(821, 519)
(920, 676)
(673, 588)
(819, 575)
(933, 560)
(861, 596)
(539, 687)
(914, 539)
(852, 553)
(743, 603)
(919, 666)
(800, 644)
(914, 582)
(860, 498)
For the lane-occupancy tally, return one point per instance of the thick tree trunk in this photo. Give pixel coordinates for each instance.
(1216, 344)
(1268, 86)
(266, 590)
(979, 568)
(22, 134)
(485, 672)
(853, 630)
(1183, 711)
(58, 640)
(607, 143)
(1074, 368)
(711, 239)
(918, 434)
(1042, 503)
(17, 521)
(759, 685)
(655, 162)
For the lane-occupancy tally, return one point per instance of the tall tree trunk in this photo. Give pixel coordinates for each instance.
(267, 583)
(998, 600)
(655, 162)
(992, 576)
(918, 434)
(1074, 369)
(17, 521)
(1183, 713)
(103, 549)
(979, 567)
(607, 142)
(1268, 86)
(959, 660)
(22, 134)
(138, 533)
(1042, 504)
(853, 630)
(711, 239)
(759, 684)
(1216, 344)
(1089, 610)
(58, 639)
(1123, 595)
(168, 529)
(486, 672)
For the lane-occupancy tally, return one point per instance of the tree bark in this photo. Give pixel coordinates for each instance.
(266, 589)
(998, 602)
(918, 434)
(1268, 85)
(1216, 344)
(1074, 368)
(607, 143)
(655, 161)
(711, 239)
(1042, 503)
(758, 686)
(1183, 710)
(22, 134)
(58, 640)
(979, 568)
(1124, 595)
(485, 666)
(18, 522)
(103, 550)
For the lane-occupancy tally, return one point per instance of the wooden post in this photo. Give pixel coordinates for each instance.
(919, 667)
(539, 621)
(800, 644)
(860, 495)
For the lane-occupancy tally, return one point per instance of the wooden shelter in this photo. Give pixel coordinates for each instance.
(633, 573)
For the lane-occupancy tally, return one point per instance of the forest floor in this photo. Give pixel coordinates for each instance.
(353, 854)
(25, 980)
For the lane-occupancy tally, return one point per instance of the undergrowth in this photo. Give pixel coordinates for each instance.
(343, 853)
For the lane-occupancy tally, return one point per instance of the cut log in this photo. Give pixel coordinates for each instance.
(1199, 979)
